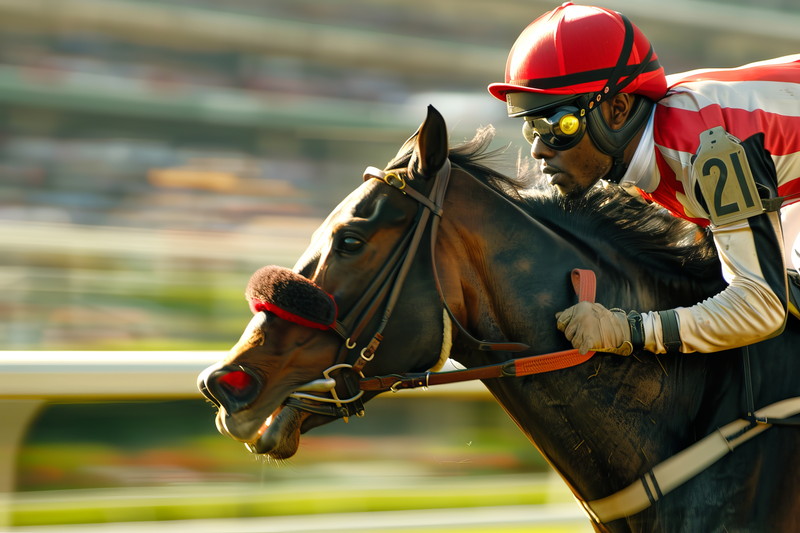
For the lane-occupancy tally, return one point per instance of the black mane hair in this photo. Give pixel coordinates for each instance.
(664, 244)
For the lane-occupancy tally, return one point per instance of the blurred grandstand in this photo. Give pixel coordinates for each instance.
(154, 153)
(201, 118)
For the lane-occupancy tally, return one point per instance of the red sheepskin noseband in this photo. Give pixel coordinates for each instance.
(290, 296)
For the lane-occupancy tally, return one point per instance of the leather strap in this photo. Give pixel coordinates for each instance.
(583, 281)
(670, 331)
(482, 345)
(775, 204)
(748, 381)
(679, 468)
(390, 292)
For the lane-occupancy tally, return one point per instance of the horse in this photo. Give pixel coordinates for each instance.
(437, 253)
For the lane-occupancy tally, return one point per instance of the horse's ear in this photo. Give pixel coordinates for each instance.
(430, 149)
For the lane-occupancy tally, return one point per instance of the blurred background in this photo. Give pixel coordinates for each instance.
(153, 154)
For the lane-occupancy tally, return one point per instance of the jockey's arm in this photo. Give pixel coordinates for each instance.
(752, 308)
(754, 305)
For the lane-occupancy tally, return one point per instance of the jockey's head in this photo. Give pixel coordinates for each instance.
(569, 62)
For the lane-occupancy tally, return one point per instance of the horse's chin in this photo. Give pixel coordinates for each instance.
(281, 432)
(279, 435)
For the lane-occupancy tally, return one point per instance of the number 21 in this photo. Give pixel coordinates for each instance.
(733, 207)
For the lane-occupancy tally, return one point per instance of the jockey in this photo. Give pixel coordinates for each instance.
(717, 147)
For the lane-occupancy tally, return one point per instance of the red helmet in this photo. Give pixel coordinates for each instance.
(574, 50)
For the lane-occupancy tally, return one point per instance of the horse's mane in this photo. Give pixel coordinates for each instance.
(608, 217)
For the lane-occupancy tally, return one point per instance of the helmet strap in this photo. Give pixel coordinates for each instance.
(616, 82)
(618, 169)
(610, 141)
(613, 142)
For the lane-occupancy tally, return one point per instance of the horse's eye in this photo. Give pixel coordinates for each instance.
(350, 244)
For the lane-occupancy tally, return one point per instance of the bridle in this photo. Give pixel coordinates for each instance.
(384, 290)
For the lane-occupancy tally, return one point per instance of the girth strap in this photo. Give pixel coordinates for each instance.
(679, 468)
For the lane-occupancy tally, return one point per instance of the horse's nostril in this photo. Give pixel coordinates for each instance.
(237, 382)
(233, 388)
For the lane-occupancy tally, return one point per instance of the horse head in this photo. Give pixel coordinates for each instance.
(297, 364)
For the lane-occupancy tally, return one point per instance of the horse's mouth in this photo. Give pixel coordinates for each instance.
(277, 436)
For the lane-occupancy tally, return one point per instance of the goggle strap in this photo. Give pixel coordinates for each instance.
(613, 86)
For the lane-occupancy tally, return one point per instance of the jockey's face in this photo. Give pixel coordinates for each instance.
(575, 170)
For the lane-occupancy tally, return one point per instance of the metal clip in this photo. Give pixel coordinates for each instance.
(395, 180)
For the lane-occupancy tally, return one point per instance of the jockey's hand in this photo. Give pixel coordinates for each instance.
(590, 326)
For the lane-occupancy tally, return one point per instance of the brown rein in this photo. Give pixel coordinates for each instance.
(584, 283)
(385, 288)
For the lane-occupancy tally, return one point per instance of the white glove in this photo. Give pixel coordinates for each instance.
(590, 326)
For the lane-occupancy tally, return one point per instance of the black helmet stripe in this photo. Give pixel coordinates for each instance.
(589, 76)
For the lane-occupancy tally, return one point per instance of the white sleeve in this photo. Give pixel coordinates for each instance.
(752, 308)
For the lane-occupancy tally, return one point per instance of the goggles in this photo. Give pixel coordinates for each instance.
(560, 131)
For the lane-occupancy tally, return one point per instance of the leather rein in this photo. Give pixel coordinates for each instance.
(385, 289)
(583, 281)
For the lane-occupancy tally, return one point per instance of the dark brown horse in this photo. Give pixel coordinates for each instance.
(371, 292)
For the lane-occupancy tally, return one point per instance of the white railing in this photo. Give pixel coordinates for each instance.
(113, 375)
(30, 379)
(101, 375)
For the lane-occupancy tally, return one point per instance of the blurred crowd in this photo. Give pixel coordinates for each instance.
(153, 154)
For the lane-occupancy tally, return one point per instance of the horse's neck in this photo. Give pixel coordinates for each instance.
(512, 277)
(512, 273)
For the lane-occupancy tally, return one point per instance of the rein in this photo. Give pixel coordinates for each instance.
(386, 287)
(584, 283)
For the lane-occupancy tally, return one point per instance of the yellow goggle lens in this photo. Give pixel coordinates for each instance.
(569, 124)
